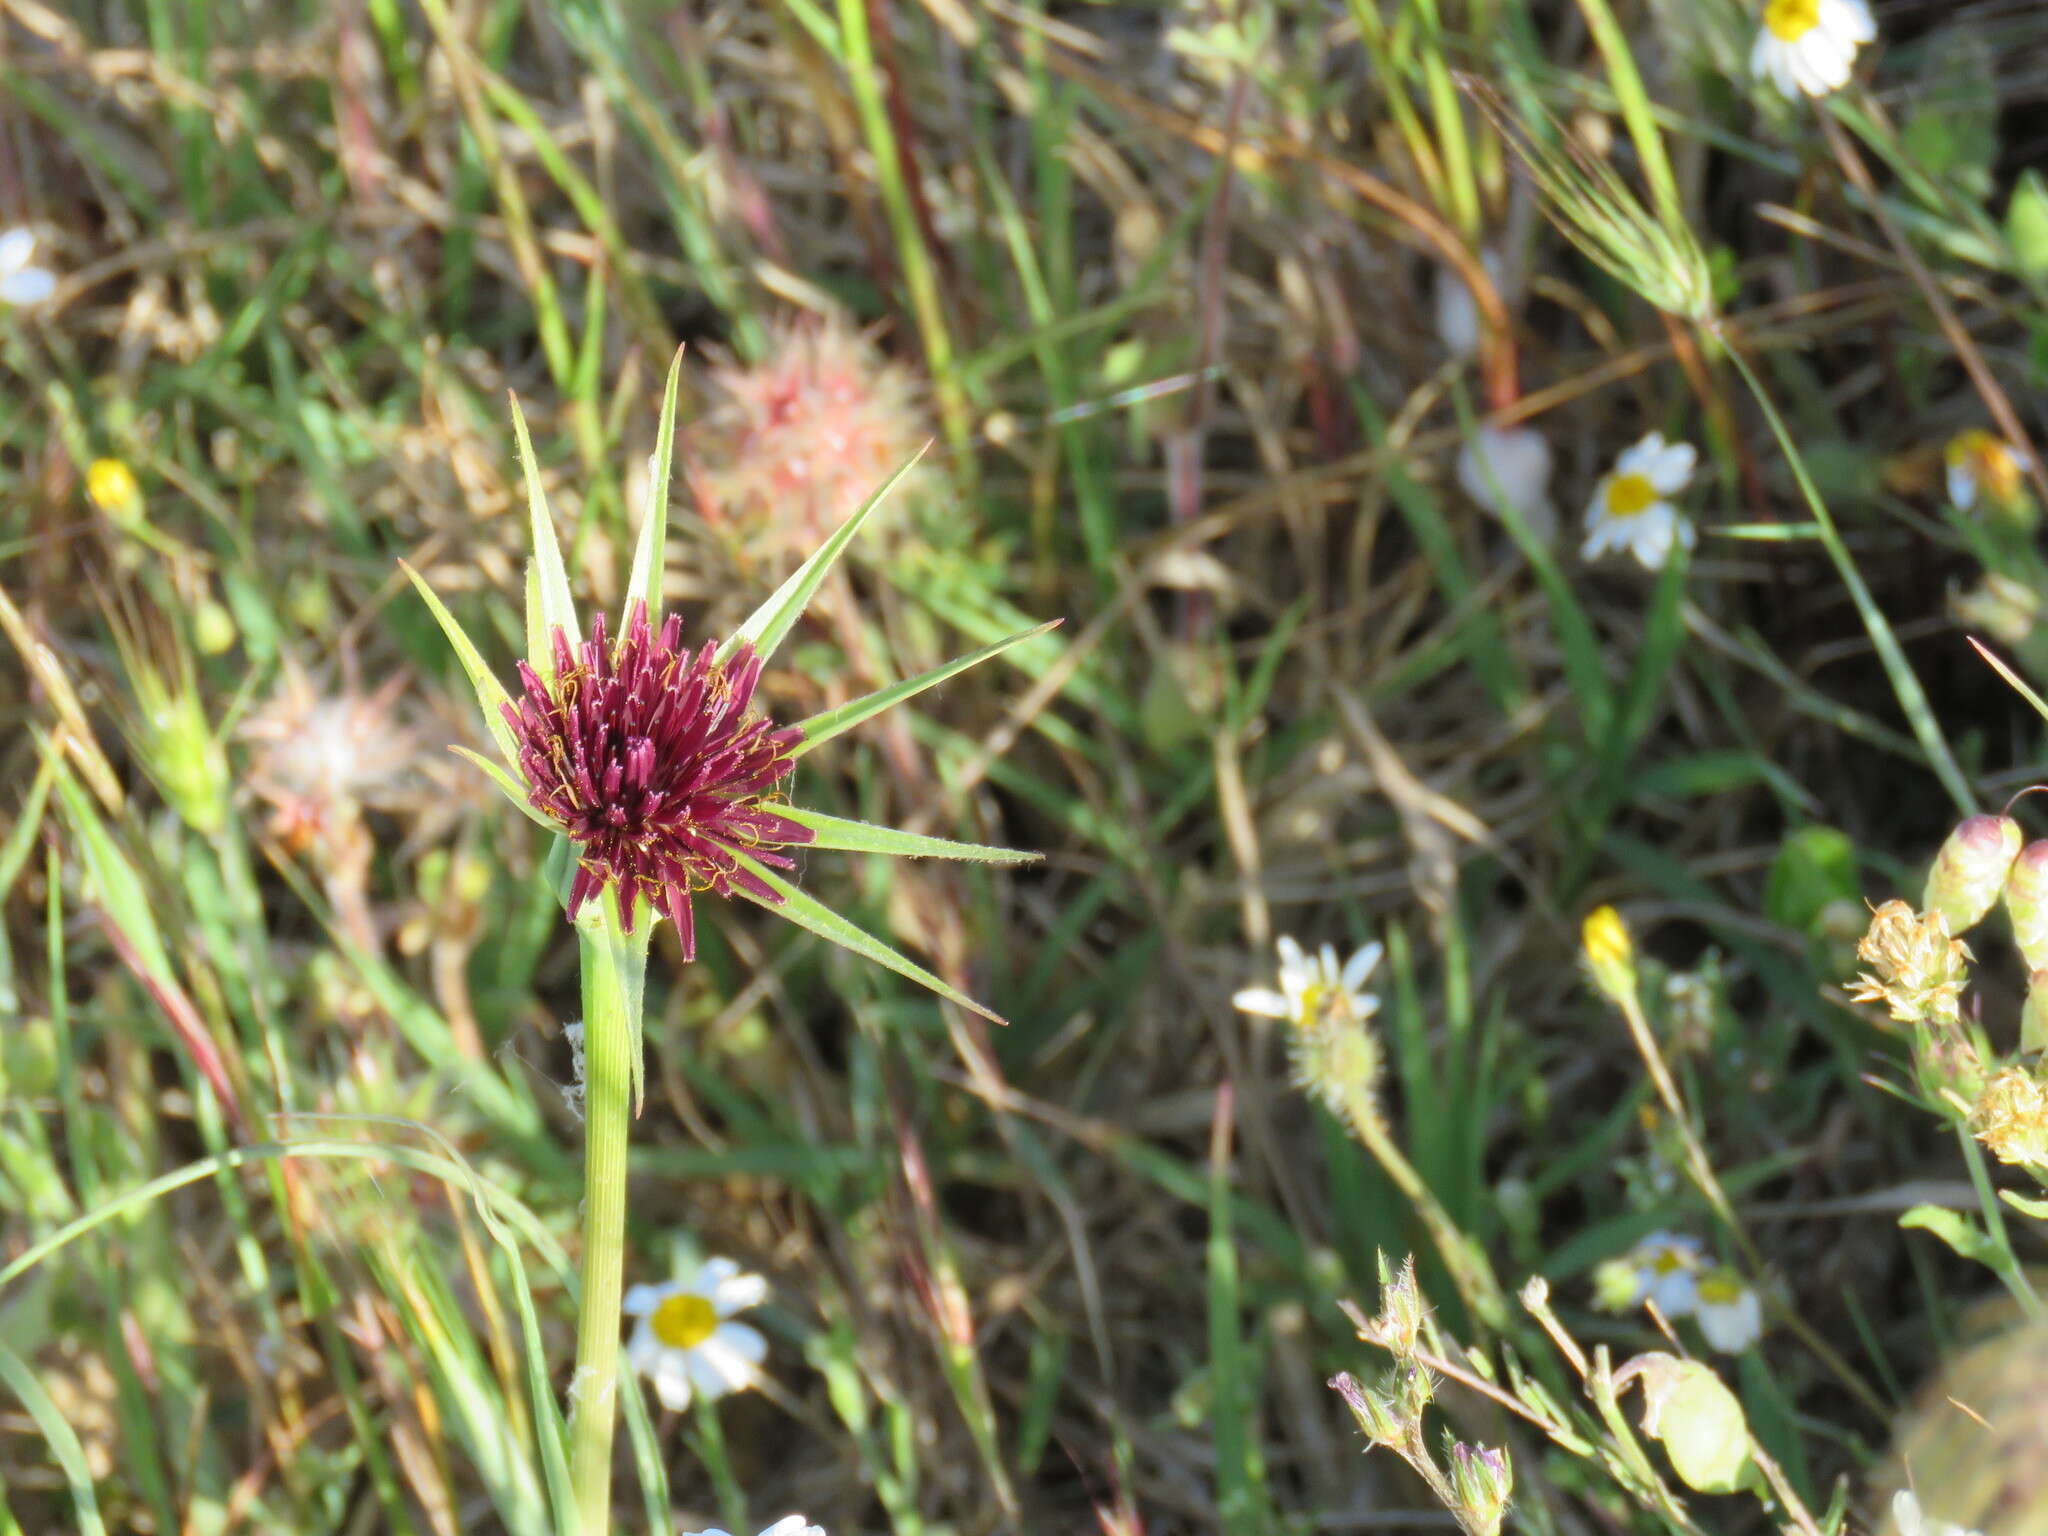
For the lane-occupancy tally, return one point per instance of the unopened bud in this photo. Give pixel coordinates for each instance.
(213, 628)
(2034, 1016)
(2026, 898)
(1401, 1309)
(1483, 1478)
(1610, 953)
(1970, 870)
(1374, 1413)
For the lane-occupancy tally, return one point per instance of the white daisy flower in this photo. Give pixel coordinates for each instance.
(1312, 987)
(1981, 464)
(1667, 1268)
(788, 1525)
(684, 1342)
(1810, 45)
(21, 283)
(1909, 1520)
(1510, 467)
(1629, 510)
(1729, 1313)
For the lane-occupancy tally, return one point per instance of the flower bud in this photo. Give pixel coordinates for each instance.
(1374, 1413)
(1610, 953)
(2034, 1016)
(2026, 899)
(1483, 1478)
(1970, 870)
(111, 486)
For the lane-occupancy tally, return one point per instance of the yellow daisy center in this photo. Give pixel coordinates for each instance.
(683, 1322)
(1719, 1290)
(1629, 495)
(1669, 1261)
(1790, 20)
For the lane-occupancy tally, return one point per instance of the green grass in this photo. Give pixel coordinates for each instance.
(290, 1195)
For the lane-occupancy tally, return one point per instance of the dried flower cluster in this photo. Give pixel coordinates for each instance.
(1916, 969)
(2011, 1117)
(650, 761)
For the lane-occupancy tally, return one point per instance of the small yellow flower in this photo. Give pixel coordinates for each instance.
(1610, 953)
(1915, 967)
(2011, 1117)
(111, 485)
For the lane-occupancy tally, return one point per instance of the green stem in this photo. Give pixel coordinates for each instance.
(1470, 1271)
(2008, 1267)
(608, 1042)
(1905, 685)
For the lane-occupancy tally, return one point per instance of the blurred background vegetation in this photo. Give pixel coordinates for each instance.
(1163, 284)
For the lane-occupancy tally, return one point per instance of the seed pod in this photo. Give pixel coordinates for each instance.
(2026, 899)
(1970, 870)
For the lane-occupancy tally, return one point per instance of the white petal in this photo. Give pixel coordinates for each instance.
(16, 247)
(736, 1293)
(794, 1525)
(1600, 540)
(1671, 471)
(713, 1531)
(1637, 458)
(30, 285)
(1361, 965)
(1688, 535)
(726, 1361)
(1731, 1326)
(710, 1274)
(644, 1350)
(1291, 957)
(1676, 1294)
(1962, 487)
(1852, 18)
(642, 1299)
(1264, 1002)
(671, 1377)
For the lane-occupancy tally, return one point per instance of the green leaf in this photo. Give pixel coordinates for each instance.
(644, 585)
(1955, 1229)
(845, 836)
(2038, 1209)
(1815, 867)
(490, 693)
(65, 1448)
(557, 607)
(2026, 224)
(808, 912)
(823, 727)
(508, 787)
(116, 887)
(766, 626)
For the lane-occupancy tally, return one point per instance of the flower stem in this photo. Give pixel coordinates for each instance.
(608, 1042)
(1471, 1272)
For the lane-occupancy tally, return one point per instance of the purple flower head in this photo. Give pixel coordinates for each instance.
(650, 760)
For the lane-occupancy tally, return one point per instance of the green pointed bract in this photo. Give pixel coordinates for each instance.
(843, 836)
(507, 786)
(807, 912)
(644, 585)
(490, 693)
(557, 607)
(769, 623)
(824, 726)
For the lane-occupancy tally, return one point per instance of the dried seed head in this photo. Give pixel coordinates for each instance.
(649, 759)
(1969, 872)
(1915, 967)
(2011, 1117)
(2026, 899)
